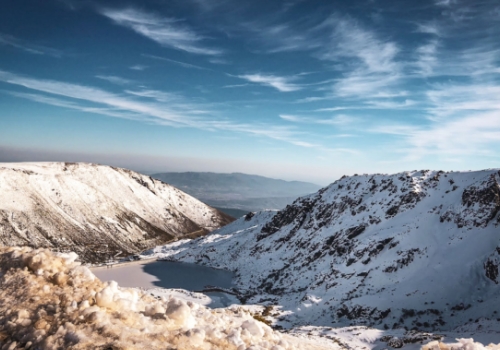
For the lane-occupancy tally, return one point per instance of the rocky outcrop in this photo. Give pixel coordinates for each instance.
(480, 204)
(492, 266)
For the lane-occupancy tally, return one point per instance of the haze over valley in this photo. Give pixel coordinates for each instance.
(238, 191)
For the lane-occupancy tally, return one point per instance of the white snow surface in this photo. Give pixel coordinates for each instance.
(96, 210)
(415, 250)
(49, 301)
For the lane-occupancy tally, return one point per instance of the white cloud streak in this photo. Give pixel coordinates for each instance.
(110, 112)
(182, 64)
(283, 84)
(167, 32)
(427, 60)
(114, 79)
(28, 47)
(464, 121)
(375, 68)
(139, 67)
(158, 110)
(338, 120)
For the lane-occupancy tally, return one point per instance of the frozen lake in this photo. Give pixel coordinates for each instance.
(168, 274)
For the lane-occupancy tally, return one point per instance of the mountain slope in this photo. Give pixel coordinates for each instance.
(97, 211)
(414, 249)
(236, 190)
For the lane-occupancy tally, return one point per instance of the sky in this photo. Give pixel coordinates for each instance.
(295, 89)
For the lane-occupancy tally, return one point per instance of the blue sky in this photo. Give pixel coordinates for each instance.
(304, 90)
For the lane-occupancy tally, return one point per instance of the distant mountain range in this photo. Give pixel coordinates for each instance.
(97, 211)
(415, 250)
(238, 191)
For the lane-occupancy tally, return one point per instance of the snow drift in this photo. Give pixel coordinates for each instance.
(97, 211)
(415, 250)
(49, 301)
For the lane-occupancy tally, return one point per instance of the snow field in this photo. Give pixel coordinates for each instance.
(461, 344)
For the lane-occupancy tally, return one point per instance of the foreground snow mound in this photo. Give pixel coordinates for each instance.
(461, 344)
(49, 301)
(97, 211)
(418, 249)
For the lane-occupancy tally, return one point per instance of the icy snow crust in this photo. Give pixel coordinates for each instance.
(97, 211)
(416, 249)
(49, 301)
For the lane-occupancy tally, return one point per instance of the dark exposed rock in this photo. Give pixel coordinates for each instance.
(407, 258)
(396, 343)
(249, 216)
(491, 270)
(355, 231)
(480, 205)
(358, 312)
(295, 213)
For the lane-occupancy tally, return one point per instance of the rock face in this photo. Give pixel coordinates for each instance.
(415, 249)
(96, 211)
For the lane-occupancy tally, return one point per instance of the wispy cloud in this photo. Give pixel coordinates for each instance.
(160, 96)
(58, 102)
(283, 38)
(217, 60)
(463, 120)
(475, 135)
(453, 100)
(367, 62)
(174, 100)
(97, 96)
(445, 3)
(427, 58)
(235, 86)
(28, 47)
(291, 118)
(114, 79)
(138, 67)
(374, 66)
(429, 28)
(338, 120)
(160, 108)
(390, 105)
(350, 39)
(179, 63)
(283, 84)
(167, 32)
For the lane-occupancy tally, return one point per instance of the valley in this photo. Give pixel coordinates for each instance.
(238, 192)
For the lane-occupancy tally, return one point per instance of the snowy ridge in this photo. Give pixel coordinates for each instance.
(97, 211)
(419, 250)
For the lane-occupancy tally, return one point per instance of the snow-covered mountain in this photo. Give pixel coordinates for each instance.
(416, 249)
(97, 211)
